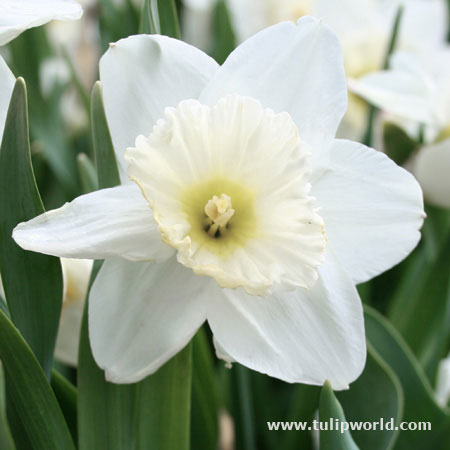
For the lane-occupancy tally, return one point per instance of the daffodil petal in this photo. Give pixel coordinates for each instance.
(106, 223)
(404, 90)
(300, 71)
(432, 169)
(17, 16)
(142, 313)
(141, 76)
(7, 80)
(302, 336)
(372, 209)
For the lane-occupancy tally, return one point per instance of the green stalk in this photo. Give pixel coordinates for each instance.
(368, 135)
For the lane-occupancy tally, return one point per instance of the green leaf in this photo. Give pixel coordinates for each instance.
(368, 135)
(66, 394)
(30, 393)
(168, 18)
(243, 408)
(397, 143)
(224, 39)
(164, 405)
(426, 295)
(288, 403)
(88, 174)
(105, 159)
(32, 282)
(105, 411)
(115, 427)
(205, 402)
(331, 411)
(6, 440)
(420, 404)
(376, 394)
(148, 24)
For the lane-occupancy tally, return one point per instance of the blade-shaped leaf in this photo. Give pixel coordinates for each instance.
(224, 39)
(66, 394)
(164, 405)
(32, 282)
(375, 395)
(205, 402)
(420, 405)
(30, 393)
(148, 24)
(88, 174)
(427, 297)
(331, 413)
(168, 18)
(6, 440)
(105, 159)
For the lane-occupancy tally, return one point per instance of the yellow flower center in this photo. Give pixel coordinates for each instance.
(216, 223)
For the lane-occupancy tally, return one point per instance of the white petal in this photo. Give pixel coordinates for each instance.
(141, 76)
(7, 80)
(141, 314)
(432, 169)
(17, 16)
(372, 209)
(305, 336)
(294, 68)
(105, 223)
(404, 90)
(76, 275)
(247, 152)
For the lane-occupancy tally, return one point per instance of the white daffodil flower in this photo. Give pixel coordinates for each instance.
(244, 211)
(364, 28)
(417, 89)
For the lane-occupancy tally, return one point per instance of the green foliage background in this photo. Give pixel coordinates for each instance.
(45, 405)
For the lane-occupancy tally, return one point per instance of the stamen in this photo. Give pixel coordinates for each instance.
(219, 210)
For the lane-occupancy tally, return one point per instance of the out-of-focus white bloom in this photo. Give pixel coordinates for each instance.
(443, 382)
(417, 88)
(364, 28)
(76, 275)
(80, 40)
(17, 16)
(247, 214)
(7, 80)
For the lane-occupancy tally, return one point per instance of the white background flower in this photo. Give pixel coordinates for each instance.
(147, 302)
(417, 89)
(76, 275)
(17, 16)
(364, 28)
